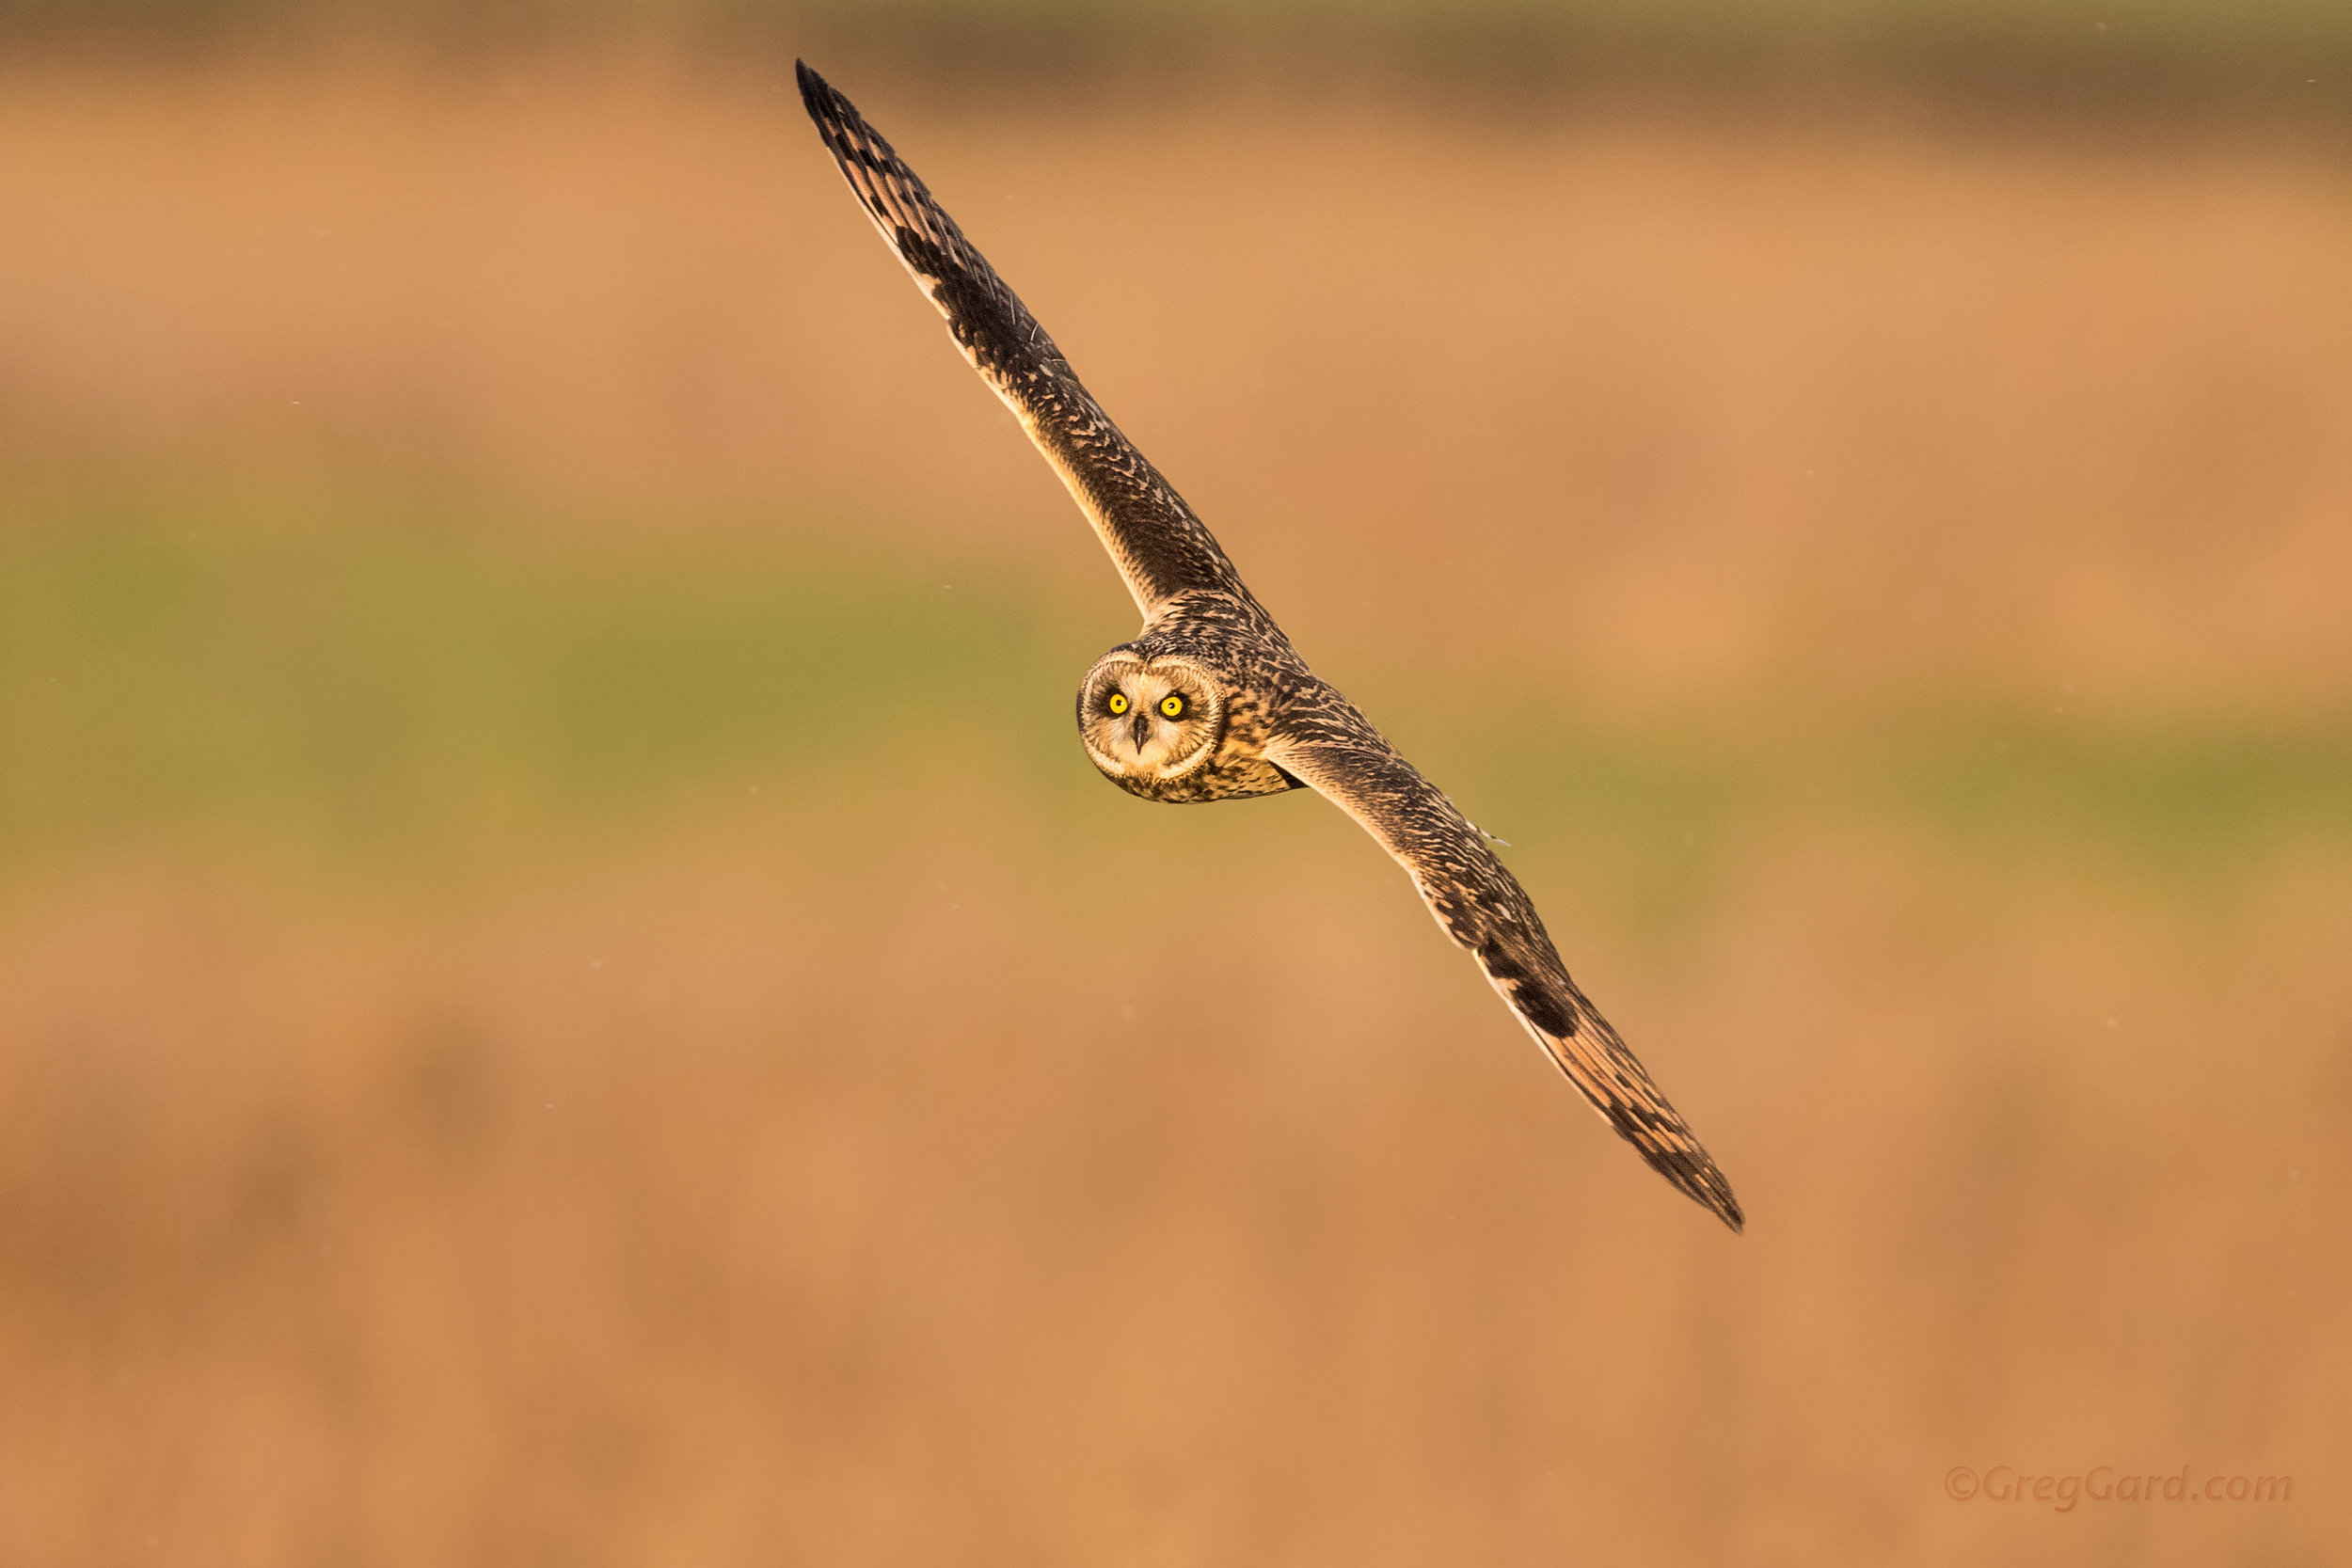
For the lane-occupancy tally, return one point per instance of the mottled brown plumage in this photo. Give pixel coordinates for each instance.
(1210, 701)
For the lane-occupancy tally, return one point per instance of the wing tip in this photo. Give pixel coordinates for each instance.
(1673, 1153)
(815, 92)
(836, 117)
(1725, 1207)
(1692, 1172)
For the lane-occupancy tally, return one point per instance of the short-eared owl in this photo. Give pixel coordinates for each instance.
(1209, 702)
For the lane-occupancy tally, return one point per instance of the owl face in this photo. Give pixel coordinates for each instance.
(1148, 720)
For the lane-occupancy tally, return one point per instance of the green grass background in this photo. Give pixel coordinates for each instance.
(373, 685)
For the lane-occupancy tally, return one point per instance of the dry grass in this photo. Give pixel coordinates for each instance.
(845, 1174)
(752, 1199)
(1693, 407)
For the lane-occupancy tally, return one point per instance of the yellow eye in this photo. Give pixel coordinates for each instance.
(1173, 705)
(1119, 702)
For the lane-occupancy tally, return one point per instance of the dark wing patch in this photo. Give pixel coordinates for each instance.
(1484, 908)
(1160, 547)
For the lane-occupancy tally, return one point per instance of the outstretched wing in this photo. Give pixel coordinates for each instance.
(1161, 549)
(1484, 908)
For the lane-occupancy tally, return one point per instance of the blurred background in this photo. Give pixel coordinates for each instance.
(567, 994)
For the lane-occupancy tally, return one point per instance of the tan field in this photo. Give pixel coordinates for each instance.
(566, 995)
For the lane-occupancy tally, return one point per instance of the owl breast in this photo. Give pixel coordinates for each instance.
(1229, 780)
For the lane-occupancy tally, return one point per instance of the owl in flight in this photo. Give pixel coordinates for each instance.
(1209, 702)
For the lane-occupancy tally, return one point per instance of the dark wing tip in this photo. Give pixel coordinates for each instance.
(1615, 1085)
(1709, 1187)
(925, 238)
(838, 120)
(817, 94)
(1668, 1149)
(1681, 1160)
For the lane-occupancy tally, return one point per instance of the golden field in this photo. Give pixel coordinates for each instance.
(568, 996)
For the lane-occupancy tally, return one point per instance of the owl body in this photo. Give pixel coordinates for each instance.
(1209, 702)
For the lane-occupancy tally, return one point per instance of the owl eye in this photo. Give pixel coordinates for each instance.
(1173, 705)
(1119, 702)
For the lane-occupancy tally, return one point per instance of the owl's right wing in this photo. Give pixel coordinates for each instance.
(1484, 908)
(1160, 547)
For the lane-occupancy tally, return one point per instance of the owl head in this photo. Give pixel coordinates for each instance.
(1149, 721)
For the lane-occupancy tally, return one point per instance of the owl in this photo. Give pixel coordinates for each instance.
(1208, 700)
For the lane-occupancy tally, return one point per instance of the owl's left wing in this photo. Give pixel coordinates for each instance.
(1159, 546)
(1484, 908)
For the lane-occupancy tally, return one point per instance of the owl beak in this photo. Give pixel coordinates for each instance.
(1143, 729)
